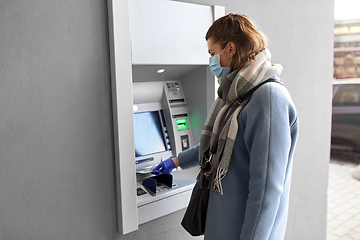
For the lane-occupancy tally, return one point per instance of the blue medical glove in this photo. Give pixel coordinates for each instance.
(165, 167)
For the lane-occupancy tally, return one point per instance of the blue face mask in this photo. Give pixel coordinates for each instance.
(215, 67)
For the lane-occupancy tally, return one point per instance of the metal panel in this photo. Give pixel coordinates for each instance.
(121, 77)
(169, 32)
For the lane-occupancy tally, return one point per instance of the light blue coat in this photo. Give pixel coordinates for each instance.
(254, 204)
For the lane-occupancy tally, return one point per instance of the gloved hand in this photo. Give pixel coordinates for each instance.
(165, 167)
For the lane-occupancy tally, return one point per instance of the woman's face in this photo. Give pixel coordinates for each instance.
(225, 56)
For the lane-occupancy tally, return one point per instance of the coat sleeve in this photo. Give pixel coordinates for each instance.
(268, 119)
(189, 158)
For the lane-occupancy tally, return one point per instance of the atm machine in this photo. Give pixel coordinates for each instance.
(157, 115)
(162, 128)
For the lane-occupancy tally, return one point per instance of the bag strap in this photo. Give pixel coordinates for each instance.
(234, 106)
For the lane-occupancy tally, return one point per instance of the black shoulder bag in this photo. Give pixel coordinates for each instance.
(195, 214)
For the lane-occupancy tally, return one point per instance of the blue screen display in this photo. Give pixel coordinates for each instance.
(148, 134)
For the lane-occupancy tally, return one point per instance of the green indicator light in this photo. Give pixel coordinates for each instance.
(182, 124)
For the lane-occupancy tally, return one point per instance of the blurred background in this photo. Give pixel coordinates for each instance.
(345, 138)
(344, 171)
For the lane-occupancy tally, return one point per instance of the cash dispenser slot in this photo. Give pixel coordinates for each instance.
(180, 115)
(159, 183)
(177, 100)
(146, 160)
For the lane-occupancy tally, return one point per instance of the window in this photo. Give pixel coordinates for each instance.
(346, 95)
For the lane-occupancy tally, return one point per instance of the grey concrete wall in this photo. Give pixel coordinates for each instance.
(56, 146)
(56, 153)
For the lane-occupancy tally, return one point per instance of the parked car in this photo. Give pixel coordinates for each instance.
(345, 134)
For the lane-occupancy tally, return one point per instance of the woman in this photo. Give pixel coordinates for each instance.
(251, 170)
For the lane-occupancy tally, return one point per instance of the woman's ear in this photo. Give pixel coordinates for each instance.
(232, 49)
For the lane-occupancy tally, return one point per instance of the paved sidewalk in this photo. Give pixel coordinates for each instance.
(343, 203)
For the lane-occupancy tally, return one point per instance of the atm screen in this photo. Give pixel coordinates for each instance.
(148, 134)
